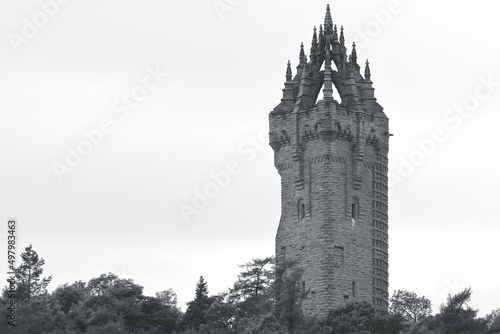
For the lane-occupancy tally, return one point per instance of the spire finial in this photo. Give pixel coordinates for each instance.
(321, 34)
(342, 40)
(289, 71)
(314, 46)
(328, 15)
(327, 82)
(328, 21)
(354, 54)
(335, 34)
(367, 70)
(302, 55)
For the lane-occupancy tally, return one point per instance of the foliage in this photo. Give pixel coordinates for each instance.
(106, 304)
(70, 295)
(253, 292)
(410, 307)
(457, 317)
(196, 312)
(264, 324)
(255, 279)
(288, 295)
(454, 317)
(30, 283)
(258, 303)
(168, 298)
(362, 318)
(493, 321)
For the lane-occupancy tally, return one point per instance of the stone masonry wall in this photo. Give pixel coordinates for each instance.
(329, 159)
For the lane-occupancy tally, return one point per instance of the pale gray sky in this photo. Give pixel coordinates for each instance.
(118, 209)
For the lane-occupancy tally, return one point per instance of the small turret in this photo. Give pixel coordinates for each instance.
(314, 47)
(288, 99)
(302, 55)
(289, 71)
(354, 54)
(367, 71)
(368, 92)
(304, 96)
(342, 39)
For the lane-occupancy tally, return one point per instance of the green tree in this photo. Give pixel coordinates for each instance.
(457, 317)
(288, 295)
(37, 316)
(454, 317)
(256, 278)
(106, 304)
(426, 326)
(361, 318)
(410, 306)
(168, 298)
(493, 321)
(220, 316)
(70, 295)
(151, 315)
(196, 312)
(30, 283)
(253, 292)
(112, 304)
(264, 324)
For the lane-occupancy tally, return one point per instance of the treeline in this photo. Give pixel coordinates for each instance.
(109, 304)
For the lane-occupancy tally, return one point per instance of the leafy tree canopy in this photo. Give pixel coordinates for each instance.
(410, 307)
(30, 283)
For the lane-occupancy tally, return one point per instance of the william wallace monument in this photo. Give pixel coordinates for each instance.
(332, 159)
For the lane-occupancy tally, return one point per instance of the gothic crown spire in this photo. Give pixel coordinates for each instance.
(340, 64)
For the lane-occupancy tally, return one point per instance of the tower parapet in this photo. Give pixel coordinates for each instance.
(332, 158)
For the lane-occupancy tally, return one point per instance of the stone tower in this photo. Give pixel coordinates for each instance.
(332, 159)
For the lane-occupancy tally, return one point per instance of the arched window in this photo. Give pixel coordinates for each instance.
(338, 256)
(301, 210)
(355, 210)
(317, 126)
(283, 253)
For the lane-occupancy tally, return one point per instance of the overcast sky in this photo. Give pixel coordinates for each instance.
(181, 92)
